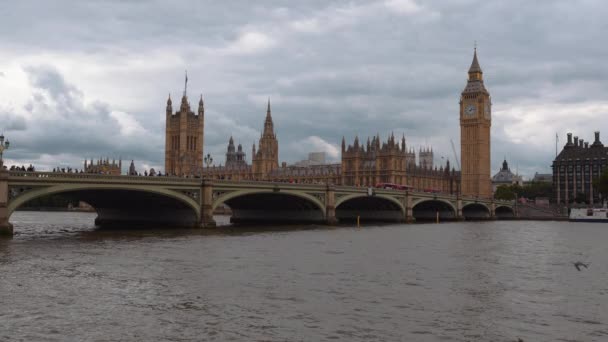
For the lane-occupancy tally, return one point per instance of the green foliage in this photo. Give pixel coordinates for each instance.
(580, 198)
(600, 184)
(536, 189)
(530, 190)
(504, 192)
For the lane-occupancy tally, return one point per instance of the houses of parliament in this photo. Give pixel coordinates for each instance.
(362, 163)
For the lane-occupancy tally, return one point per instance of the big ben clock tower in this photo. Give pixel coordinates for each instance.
(475, 123)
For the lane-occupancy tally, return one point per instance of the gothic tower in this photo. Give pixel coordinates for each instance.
(266, 159)
(184, 137)
(475, 123)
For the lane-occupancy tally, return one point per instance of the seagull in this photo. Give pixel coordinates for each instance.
(578, 265)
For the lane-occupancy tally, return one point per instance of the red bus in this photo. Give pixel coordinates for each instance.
(393, 186)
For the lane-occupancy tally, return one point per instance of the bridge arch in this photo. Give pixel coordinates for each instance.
(427, 209)
(378, 207)
(476, 210)
(503, 211)
(268, 205)
(117, 203)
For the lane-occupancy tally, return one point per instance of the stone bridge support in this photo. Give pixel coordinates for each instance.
(207, 220)
(6, 228)
(493, 210)
(459, 215)
(330, 205)
(409, 209)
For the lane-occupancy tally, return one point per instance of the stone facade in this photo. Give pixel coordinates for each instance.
(426, 156)
(575, 168)
(184, 131)
(235, 158)
(266, 158)
(391, 162)
(475, 123)
(104, 167)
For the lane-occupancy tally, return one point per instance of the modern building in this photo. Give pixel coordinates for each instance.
(475, 123)
(575, 168)
(184, 133)
(104, 167)
(314, 158)
(505, 177)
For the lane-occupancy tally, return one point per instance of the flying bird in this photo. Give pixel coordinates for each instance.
(578, 265)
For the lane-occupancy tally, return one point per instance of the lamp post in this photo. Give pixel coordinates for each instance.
(208, 160)
(3, 146)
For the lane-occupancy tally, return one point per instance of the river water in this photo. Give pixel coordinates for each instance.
(63, 280)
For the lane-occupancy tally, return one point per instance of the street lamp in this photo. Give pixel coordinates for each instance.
(208, 160)
(3, 146)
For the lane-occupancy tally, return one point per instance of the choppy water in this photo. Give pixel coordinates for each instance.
(62, 280)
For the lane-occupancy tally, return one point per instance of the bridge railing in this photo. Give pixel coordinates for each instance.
(93, 176)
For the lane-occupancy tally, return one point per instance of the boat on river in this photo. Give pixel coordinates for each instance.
(589, 215)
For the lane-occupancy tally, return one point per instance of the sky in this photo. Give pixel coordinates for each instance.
(90, 79)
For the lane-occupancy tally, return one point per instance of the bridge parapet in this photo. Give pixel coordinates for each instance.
(52, 176)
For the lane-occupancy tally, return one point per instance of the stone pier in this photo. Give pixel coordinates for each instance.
(6, 228)
(330, 205)
(207, 220)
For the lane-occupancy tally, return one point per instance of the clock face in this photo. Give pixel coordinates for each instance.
(469, 110)
(487, 110)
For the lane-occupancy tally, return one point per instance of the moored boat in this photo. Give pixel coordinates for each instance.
(589, 215)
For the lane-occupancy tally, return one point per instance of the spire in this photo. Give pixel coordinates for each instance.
(475, 68)
(186, 83)
(268, 125)
(169, 105)
(201, 106)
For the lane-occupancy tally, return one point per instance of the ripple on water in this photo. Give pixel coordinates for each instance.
(64, 280)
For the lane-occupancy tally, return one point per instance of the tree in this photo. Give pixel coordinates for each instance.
(600, 184)
(580, 198)
(504, 192)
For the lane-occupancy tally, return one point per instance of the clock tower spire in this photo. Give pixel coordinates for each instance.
(475, 123)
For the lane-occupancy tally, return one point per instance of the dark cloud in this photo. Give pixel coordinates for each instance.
(97, 85)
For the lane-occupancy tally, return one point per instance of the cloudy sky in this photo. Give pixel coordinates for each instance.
(83, 79)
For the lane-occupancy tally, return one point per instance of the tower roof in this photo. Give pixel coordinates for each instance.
(475, 81)
(268, 125)
(475, 64)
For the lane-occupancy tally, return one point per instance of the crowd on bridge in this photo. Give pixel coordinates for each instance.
(30, 168)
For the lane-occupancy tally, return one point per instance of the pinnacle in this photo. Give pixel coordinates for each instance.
(475, 64)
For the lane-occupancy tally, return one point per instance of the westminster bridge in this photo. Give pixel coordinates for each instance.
(192, 201)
